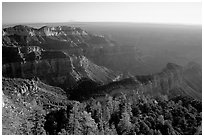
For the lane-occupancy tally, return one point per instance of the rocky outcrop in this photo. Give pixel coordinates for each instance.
(59, 71)
(170, 78)
(29, 53)
(57, 38)
(60, 56)
(75, 41)
(53, 54)
(33, 91)
(173, 80)
(25, 104)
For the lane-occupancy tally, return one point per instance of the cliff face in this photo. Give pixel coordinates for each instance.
(170, 78)
(74, 41)
(60, 56)
(30, 53)
(59, 37)
(53, 54)
(173, 80)
(192, 84)
(59, 71)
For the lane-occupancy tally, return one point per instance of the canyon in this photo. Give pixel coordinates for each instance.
(62, 56)
(59, 77)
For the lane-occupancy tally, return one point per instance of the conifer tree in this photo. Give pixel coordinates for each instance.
(74, 126)
(88, 124)
(125, 125)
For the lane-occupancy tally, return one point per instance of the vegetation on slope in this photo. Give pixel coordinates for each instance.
(128, 116)
(25, 105)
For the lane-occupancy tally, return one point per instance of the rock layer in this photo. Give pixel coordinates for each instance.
(59, 71)
(173, 80)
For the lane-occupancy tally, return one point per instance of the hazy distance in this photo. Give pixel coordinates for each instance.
(156, 12)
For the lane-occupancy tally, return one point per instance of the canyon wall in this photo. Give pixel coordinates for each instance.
(171, 77)
(173, 80)
(48, 70)
(59, 71)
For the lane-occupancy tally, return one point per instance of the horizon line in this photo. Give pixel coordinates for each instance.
(155, 23)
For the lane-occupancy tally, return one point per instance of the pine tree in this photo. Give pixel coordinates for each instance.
(88, 124)
(124, 125)
(74, 126)
(109, 103)
(98, 118)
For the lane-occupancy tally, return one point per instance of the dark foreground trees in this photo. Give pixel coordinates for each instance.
(141, 115)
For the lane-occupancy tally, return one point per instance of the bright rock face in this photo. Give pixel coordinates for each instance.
(59, 71)
(54, 54)
(60, 56)
(172, 81)
(60, 37)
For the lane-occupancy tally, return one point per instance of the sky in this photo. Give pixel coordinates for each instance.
(156, 12)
